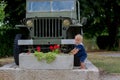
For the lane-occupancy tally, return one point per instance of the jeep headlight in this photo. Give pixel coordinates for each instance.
(66, 22)
(29, 23)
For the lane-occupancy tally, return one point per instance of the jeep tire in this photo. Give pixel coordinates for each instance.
(16, 48)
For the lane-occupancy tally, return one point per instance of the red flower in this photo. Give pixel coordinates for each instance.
(51, 48)
(38, 48)
(56, 46)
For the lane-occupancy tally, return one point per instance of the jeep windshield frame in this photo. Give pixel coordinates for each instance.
(50, 6)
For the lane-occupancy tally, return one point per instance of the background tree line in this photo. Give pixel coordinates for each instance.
(103, 19)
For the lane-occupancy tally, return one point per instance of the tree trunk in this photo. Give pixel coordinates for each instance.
(113, 23)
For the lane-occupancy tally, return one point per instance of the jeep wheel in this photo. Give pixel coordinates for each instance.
(16, 48)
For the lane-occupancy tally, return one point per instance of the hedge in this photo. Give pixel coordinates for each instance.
(6, 42)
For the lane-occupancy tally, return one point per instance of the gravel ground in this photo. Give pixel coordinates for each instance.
(110, 77)
(111, 55)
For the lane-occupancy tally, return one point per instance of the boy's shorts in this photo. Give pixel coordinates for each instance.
(82, 58)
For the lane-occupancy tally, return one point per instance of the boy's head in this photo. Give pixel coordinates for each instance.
(78, 39)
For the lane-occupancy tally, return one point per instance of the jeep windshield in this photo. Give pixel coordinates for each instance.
(50, 6)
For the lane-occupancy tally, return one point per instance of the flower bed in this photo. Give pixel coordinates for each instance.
(62, 61)
(49, 56)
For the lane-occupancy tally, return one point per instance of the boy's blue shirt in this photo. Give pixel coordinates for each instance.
(81, 49)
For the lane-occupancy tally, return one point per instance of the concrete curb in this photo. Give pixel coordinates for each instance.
(13, 72)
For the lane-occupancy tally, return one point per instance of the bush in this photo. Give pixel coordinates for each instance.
(6, 42)
(103, 42)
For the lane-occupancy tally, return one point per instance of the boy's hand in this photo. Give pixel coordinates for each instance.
(74, 51)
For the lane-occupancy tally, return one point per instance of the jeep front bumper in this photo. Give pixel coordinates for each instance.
(45, 41)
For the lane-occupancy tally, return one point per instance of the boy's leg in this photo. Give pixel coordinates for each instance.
(82, 59)
(82, 65)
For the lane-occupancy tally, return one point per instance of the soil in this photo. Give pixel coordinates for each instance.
(6, 60)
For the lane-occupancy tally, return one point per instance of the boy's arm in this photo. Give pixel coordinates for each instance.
(74, 51)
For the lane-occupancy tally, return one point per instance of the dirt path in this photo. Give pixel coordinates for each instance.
(110, 77)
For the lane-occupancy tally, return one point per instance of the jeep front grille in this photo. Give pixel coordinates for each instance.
(47, 27)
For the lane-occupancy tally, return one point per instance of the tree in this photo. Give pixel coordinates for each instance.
(14, 13)
(103, 15)
(6, 34)
(2, 13)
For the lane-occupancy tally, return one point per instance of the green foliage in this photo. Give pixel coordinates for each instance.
(15, 13)
(102, 18)
(2, 13)
(49, 57)
(56, 51)
(6, 41)
(6, 34)
(40, 55)
(101, 15)
(101, 40)
(94, 11)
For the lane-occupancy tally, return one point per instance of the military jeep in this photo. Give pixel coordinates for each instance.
(48, 22)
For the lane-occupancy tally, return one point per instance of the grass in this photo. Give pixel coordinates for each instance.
(7, 60)
(107, 64)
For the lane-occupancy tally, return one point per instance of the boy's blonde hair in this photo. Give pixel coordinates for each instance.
(79, 37)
